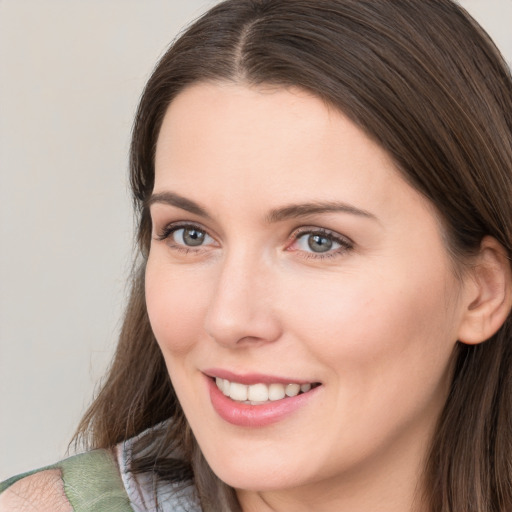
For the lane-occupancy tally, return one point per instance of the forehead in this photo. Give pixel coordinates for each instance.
(273, 137)
(216, 113)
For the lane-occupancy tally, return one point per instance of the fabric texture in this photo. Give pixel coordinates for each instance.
(144, 490)
(99, 481)
(92, 482)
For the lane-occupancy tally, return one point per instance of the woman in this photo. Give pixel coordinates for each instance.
(320, 318)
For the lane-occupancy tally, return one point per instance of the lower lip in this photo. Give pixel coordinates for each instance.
(246, 415)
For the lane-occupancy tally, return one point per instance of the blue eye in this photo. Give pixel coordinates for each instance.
(185, 237)
(190, 236)
(316, 242)
(320, 243)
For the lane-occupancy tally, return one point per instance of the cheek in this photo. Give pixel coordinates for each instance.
(365, 321)
(385, 346)
(176, 304)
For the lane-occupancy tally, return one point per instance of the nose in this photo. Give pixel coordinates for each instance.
(241, 310)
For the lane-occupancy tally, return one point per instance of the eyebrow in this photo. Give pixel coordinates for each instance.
(302, 210)
(183, 203)
(291, 211)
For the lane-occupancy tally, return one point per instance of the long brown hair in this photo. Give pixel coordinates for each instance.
(423, 80)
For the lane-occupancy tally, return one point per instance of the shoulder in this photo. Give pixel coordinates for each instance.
(88, 481)
(42, 491)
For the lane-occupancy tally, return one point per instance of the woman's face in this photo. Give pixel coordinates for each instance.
(287, 250)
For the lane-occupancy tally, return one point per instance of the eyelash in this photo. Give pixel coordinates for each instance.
(170, 229)
(344, 242)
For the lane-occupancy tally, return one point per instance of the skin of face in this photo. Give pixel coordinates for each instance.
(374, 319)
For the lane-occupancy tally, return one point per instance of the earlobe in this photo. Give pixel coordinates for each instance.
(490, 298)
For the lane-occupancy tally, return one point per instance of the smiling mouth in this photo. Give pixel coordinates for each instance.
(261, 394)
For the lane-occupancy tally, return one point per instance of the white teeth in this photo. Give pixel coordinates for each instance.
(305, 387)
(292, 389)
(238, 392)
(258, 394)
(276, 392)
(224, 387)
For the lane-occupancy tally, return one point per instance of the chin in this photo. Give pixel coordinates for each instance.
(264, 480)
(259, 472)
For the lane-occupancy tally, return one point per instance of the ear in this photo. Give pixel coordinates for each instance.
(488, 293)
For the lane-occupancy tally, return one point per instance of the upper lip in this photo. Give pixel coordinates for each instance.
(252, 377)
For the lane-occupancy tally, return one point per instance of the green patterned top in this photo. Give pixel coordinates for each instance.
(92, 482)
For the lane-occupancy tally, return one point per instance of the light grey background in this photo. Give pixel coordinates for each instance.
(71, 72)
